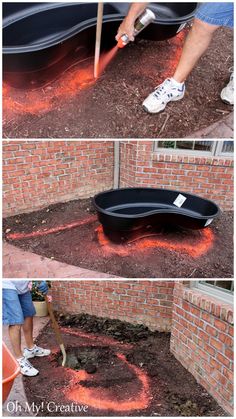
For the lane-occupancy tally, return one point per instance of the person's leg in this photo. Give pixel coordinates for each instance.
(28, 332)
(28, 309)
(13, 317)
(15, 338)
(196, 44)
(173, 89)
(208, 18)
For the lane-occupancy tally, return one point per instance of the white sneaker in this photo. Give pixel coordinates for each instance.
(26, 368)
(227, 94)
(35, 351)
(168, 91)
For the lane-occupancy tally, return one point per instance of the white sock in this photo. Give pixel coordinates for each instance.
(176, 83)
(31, 349)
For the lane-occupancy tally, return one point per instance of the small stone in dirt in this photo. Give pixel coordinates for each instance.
(72, 361)
(8, 230)
(90, 368)
(44, 221)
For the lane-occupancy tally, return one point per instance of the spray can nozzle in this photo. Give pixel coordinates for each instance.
(141, 22)
(124, 39)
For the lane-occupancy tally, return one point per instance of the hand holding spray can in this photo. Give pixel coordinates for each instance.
(141, 22)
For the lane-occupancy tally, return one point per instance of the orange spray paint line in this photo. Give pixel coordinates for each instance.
(194, 250)
(20, 236)
(106, 58)
(103, 398)
(96, 340)
(75, 78)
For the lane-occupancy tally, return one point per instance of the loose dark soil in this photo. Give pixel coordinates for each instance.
(171, 389)
(111, 108)
(80, 246)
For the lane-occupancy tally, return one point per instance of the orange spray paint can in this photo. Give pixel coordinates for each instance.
(141, 22)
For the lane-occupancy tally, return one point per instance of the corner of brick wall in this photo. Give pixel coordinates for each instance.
(210, 177)
(202, 340)
(138, 302)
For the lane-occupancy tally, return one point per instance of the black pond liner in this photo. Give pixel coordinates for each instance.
(127, 209)
(38, 36)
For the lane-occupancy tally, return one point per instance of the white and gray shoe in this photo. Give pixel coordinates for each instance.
(35, 351)
(168, 91)
(26, 368)
(227, 94)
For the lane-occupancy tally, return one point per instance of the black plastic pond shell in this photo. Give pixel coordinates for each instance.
(124, 210)
(38, 35)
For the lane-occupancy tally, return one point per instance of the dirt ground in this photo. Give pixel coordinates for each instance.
(163, 253)
(134, 376)
(74, 106)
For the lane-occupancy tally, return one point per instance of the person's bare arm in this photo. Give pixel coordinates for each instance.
(127, 26)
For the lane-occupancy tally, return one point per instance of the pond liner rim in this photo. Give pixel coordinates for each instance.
(55, 5)
(176, 210)
(76, 29)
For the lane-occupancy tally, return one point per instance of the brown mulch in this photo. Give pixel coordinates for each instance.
(75, 107)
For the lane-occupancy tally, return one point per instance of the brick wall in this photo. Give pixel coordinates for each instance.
(39, 173)
(202, 340)
(210, 177)
(147, 302)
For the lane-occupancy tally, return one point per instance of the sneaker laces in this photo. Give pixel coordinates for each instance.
(26, 363)
(161, 89)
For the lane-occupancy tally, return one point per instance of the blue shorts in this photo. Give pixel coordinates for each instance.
(15, 307)
(219, 14)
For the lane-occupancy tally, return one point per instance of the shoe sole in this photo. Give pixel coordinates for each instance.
(162, 109)
(34, 356)
(26, 375)
(227, 102)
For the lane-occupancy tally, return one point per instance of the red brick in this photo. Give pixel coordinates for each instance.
(220, 325)
(206, 316)
(216, 344)
(215, 364)
(229, 354)
(221, 358)
(211, 331)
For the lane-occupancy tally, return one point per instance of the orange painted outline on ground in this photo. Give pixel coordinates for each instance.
(99, 340)
(20, 236)
(44, 99)
(103, 399)
(195, 250)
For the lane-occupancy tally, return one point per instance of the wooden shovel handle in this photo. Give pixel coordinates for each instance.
(98, 38)
(54, 322)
